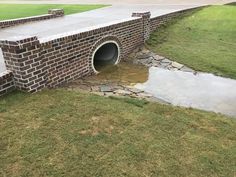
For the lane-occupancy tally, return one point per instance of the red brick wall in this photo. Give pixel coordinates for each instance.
(23, 59)
(71, 57)
(37, 65)
(6, 82)
(146, 24)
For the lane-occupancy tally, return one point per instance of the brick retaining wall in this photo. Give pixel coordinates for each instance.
(23, 59)
(146, 24)
(6, 82)
(51, 62)
(37, 65)
(52, 13)
(71, 57)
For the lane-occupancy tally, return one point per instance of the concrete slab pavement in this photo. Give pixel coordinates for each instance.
(159, 2)
(50, 29)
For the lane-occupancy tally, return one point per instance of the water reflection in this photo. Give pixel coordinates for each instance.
(202, 91)
(125, 73)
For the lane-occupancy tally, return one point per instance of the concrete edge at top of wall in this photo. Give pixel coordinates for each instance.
(4, 73)
(19, 43)
(179, 11)
(52, 13)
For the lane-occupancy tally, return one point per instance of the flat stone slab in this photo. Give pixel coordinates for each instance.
(177, 65)
(166, 61)
(158, 57)
(186, 69)
(95, 88)
(122, 92)
(105, 88)
(146, 57)
(145, 95)
(135, 90)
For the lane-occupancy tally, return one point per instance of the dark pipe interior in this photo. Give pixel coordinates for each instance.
(107, 54)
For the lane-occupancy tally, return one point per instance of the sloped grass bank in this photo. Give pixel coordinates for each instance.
(204, 40)
(68, 133)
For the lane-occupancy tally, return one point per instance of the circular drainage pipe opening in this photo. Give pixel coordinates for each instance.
(106, 54)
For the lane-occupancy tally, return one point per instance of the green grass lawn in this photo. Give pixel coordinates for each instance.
(204, 40)
(11, 11)
(68, 133)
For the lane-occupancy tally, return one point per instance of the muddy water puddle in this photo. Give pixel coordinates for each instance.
(116, 80)
(125, 73)
(175, 86)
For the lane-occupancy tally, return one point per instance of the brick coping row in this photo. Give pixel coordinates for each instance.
(52, 13)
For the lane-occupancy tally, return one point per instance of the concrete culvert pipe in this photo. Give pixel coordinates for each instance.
(106, 54)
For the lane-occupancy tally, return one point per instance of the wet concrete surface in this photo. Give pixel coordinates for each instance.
(202, 90)
(146, 75)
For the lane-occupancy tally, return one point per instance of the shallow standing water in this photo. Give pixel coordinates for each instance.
(125, 73)
(202, 91)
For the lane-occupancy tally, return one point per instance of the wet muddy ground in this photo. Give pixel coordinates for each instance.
(116, 80)
(145, 75)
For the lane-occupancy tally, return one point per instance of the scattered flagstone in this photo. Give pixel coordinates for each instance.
(110, 88)
(177, 65)
(149, 59)
(122, 92)
(105, 88)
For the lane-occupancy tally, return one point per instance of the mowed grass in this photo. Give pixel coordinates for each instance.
(68, 133)
(12, 11)
(204, 40)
